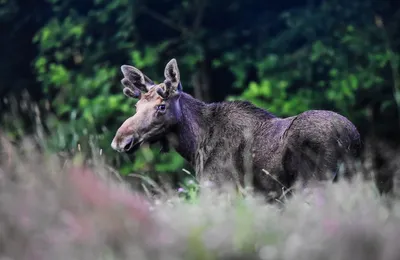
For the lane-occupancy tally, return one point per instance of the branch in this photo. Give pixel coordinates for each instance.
(201, 6)
(165, 20)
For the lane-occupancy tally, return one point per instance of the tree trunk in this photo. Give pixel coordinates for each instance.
(201, 82)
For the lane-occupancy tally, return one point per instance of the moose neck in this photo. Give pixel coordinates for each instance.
(188, 130)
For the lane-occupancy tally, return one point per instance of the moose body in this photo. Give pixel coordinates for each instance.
(227, 141)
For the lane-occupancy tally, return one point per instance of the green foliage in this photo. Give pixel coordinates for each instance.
(79, 71)
(339, 69)
(272, 94)
(189, 190)
(337, 55)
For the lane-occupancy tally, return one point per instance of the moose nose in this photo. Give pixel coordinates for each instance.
(121, 144)
(114, 144)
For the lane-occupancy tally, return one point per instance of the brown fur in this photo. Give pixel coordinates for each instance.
(228, 141)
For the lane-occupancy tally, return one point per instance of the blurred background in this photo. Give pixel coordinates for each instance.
(60, 65)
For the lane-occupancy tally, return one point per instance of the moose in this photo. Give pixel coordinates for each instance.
(234, 141)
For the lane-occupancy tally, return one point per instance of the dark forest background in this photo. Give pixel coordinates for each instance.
(60, 64)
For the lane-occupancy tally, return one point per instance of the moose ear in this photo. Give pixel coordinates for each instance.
(129, 89)
(129, 93)
(171, 74)
(137, 78)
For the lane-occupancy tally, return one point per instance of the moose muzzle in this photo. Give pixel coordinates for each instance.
(121, 144)
(125, 138)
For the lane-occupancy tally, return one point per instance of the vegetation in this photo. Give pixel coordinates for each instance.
(62, 195)
(339, 55)
(53, 208)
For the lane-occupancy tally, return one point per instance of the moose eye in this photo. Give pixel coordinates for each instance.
(161, 108)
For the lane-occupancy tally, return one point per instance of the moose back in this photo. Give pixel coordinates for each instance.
(227, 141)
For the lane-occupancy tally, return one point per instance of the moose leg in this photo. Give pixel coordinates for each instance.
(272, 185)
(220, 177)
(219, 173)
(308, 164)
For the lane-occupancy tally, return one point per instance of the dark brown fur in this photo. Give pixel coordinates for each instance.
(226, 141)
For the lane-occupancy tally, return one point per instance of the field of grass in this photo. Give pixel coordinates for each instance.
(52, 208)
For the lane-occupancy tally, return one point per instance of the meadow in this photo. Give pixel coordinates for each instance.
(63, 207)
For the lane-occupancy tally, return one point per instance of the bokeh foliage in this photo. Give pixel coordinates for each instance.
(340, 55)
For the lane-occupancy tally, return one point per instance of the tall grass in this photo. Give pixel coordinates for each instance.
(68, 208)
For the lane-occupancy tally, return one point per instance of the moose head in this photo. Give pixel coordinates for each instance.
(157, 108)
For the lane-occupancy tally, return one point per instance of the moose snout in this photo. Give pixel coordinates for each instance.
(125, 136)
(120, 143)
